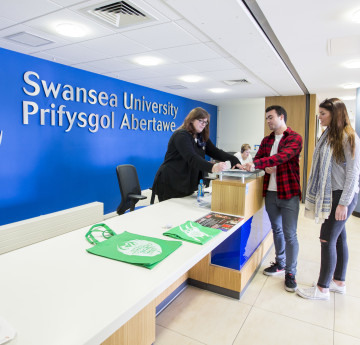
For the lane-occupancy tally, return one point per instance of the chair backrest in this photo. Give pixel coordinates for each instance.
(129, 184)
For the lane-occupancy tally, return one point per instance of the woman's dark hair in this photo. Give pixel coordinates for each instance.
(245, 147)
(339, 125)
(197, 114)
(279, 111)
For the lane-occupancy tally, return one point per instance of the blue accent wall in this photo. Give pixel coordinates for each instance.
(60, 150)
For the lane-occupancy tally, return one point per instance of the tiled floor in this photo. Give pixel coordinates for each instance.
(267, 314)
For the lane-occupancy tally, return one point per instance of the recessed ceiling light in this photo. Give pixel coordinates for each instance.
(218, 90)
(352, 64)
(191, 78)
(351, 85)
(348, 98)
(71, 30)
(148, 60)
(356, 16)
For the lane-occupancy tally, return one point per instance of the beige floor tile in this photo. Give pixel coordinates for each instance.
(343, 339)
(307, 272)
(347, 315)
(274, 298)
(253, 289)
(205, 316)
(310, 250)
(353, 282)
(165, 336)
(266, 328)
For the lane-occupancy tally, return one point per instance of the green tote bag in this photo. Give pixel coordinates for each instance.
(131, 248)
(193, 232)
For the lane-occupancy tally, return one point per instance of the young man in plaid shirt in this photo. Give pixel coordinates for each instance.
(279, 156)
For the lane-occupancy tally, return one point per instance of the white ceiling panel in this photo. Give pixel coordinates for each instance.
(211, 65)
(111, 65)
(21, 11)
(52, 58)
(161, 36)
(76, 53)
(191, 29)
(4, 22)
(116, 45)
(194, 52)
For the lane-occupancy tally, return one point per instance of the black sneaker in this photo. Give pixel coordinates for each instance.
(290, 282)
(274, 269)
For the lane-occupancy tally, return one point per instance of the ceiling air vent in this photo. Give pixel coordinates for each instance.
(28, 39)
(236, 82)
(118, 14)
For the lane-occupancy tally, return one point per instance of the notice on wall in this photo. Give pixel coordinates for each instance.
(220, 221)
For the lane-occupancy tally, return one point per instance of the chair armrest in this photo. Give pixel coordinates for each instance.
(136, 197)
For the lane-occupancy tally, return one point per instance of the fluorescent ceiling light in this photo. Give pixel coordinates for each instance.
(351, 85)
(148, 60)
(218, 90)
(352, 64)
(348, 98)
(191, 78)
(356, 16)
(71, 30)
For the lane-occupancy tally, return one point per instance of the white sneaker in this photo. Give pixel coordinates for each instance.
(336, 288)
(313, 293)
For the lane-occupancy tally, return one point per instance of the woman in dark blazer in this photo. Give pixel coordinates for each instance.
(185, 164)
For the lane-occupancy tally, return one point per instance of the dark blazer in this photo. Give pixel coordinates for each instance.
(185, 164)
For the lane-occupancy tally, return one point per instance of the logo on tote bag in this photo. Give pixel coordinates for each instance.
(193, 232)
(140, 248)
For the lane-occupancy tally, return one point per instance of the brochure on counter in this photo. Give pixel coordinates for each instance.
(220, 221)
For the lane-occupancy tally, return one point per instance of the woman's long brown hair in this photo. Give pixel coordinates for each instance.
(339, 126)
(197, 114)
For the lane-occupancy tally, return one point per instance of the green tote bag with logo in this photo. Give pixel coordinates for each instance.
(193, 232)
(131, 248)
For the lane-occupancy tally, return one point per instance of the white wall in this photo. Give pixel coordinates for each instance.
(239, 122)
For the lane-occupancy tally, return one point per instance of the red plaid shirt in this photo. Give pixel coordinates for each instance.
(286, 161)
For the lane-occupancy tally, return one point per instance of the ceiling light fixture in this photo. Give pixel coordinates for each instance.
(356, 16)
(218, 90)
(148, 60)
(191, 78)
(352, 64)
(351, 85)
(71, 30)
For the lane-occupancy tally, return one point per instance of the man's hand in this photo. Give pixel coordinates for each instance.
(249, 166)
(270, 170)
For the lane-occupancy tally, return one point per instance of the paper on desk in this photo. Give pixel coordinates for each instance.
(7, 332)
(228, 165)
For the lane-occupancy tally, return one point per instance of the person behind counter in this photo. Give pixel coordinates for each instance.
(244, 155)
(185, 164)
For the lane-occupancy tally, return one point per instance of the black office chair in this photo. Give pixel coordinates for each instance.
(129, 188)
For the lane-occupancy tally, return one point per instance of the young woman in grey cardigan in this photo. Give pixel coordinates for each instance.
(332, 194)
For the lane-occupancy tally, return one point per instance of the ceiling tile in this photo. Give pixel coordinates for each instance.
(193, 52)
(4, 23)
(161, 36)
(115, 45)
(77, 53)
(21, 11)
(211, 65)
(111, 65)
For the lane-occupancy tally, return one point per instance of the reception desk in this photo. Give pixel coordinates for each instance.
(54, 292)
(230, 266)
